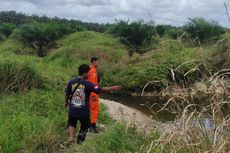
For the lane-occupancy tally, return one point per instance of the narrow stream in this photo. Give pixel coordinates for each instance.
(137, 103)
(164, 116)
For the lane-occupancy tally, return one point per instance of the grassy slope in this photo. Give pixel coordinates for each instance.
(117, 67)
(35, 120)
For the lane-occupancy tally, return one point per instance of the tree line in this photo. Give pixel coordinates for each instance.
(21, 18)
(41, 32)
(138, 35)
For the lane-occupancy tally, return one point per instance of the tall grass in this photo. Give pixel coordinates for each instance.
(18, 76)
(15, 47)
(83, 45)
(191, 132)
(199, 126)
(116, 138)
(33, 122)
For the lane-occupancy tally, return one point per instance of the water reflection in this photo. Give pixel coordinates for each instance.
(137, 103)
(163, 116)
(207, 123)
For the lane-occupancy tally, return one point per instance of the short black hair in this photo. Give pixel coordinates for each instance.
(84, 68)
(94, 59)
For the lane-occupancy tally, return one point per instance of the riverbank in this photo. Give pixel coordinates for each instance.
(131, 116)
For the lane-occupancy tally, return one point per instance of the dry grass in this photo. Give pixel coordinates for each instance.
(198, 126)
(188, 133)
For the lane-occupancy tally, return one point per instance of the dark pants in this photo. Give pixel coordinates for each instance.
(72, 121)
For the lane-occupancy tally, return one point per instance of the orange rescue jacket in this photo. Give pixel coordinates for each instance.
(93, 75)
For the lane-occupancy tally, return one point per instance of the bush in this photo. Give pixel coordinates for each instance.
(16, 76)
(90, 44)
(135, 34)
(169, 31)
(6, 29)
(13, 46)
(221, 58)
(2, 36)
(40, 36)
(174, 33)
(161, 30)
(154, 66)
(204, 30)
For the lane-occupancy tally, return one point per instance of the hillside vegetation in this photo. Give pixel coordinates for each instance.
(33, 118)
(33, 115)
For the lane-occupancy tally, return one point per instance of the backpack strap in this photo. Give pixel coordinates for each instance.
(74, 91)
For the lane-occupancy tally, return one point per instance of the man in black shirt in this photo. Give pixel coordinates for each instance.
(77, 98)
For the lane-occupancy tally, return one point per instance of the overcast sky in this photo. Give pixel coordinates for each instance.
(174, 12)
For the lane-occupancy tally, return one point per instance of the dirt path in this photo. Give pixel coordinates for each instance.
(131, 116)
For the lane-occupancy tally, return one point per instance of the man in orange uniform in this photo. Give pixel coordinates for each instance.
(94, 98)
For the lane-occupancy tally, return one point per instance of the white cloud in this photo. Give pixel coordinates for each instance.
(174, 12)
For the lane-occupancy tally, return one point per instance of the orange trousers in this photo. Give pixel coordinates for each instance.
(94, 107)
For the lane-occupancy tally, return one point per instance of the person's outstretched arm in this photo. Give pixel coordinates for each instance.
(112, 88)
(97, 89)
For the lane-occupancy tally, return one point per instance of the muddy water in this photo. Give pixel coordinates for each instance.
(137, 103)
(163, 116)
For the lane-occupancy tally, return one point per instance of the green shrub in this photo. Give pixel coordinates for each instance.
(155, 66)
(13, 46)
(174, 32)
(6, 29)
(161, 30)
(135, 34)
(220, 59)
(2, 36)
(41, 36)
(81, 46)
(204, 30)
(17, 76)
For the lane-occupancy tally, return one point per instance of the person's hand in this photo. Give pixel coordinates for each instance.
(116, 88)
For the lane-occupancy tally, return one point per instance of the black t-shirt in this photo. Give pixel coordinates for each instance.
(79, 104)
